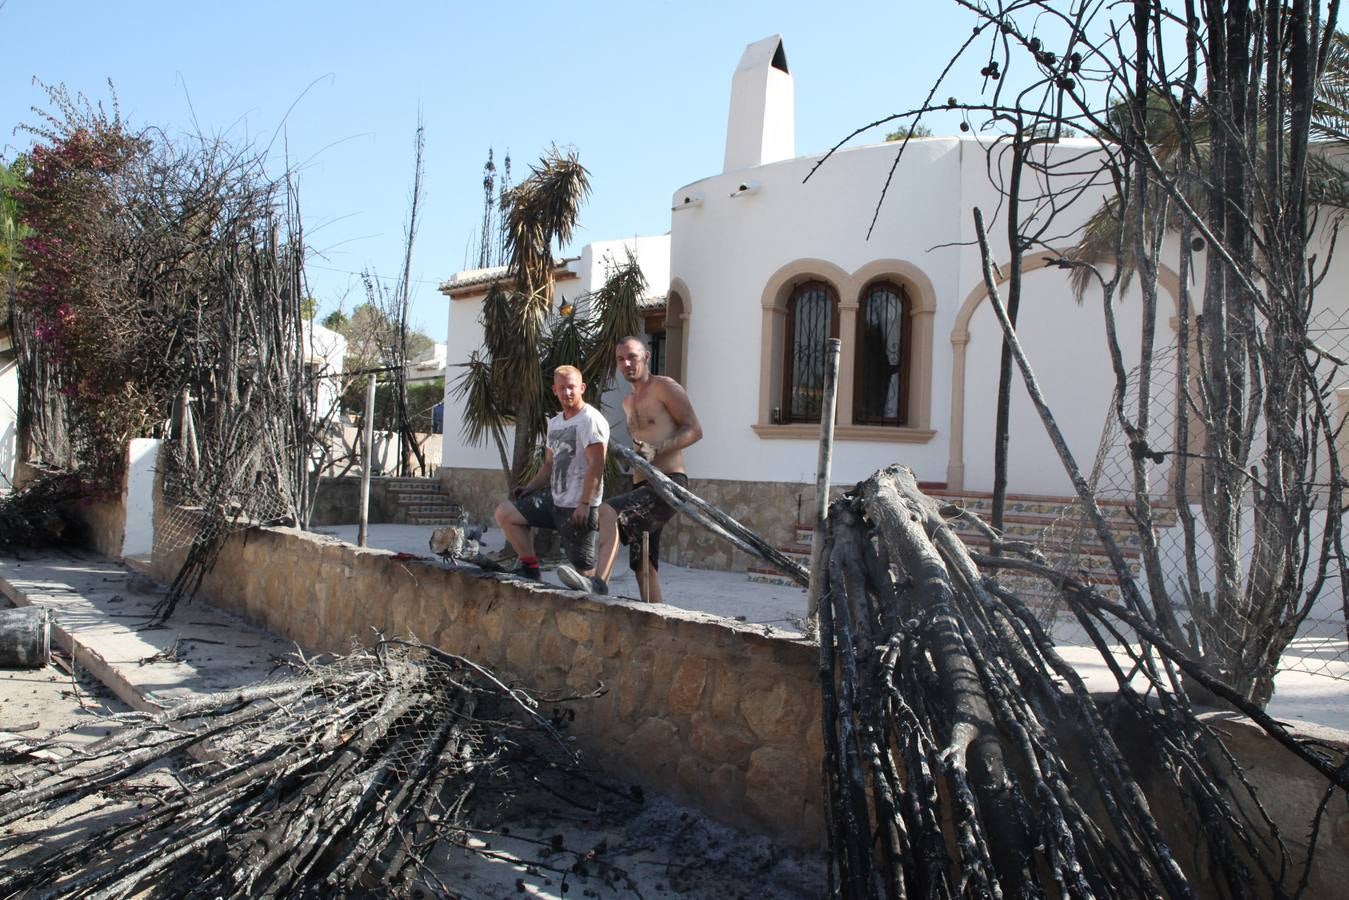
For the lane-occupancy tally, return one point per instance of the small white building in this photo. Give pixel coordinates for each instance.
(324, 355)
(427, 366)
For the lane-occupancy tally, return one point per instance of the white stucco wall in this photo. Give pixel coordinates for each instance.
(9, 422)
(326, 350)
(142, 457)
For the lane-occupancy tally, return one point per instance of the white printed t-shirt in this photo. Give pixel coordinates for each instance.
(568, 438)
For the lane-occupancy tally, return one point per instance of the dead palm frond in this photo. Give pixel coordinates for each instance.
(543, 210)
(512, 334)
(499, 322)
(484, 413)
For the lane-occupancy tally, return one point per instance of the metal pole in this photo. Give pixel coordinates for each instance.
(822, 475)
(369, 462)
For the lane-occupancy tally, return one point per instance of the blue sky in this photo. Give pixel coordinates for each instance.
(640, 89)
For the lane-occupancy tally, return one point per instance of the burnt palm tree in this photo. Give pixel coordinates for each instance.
(506, 383)
(1242, 165)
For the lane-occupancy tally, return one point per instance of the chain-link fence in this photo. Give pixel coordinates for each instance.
(199, 509)
(1189, 563)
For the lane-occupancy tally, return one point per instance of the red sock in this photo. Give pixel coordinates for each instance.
(530, 561)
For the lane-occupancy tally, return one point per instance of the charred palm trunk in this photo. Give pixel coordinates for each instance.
(943, 711)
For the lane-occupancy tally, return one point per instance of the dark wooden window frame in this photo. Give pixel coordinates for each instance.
(860, 361)
(789, 338)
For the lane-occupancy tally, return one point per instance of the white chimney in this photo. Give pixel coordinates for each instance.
(762, 126)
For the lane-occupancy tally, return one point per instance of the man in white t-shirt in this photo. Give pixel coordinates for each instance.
(573, 470)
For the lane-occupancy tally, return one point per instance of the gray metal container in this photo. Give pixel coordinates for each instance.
(25, 637)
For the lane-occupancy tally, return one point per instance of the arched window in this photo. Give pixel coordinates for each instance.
(881, 383)
(812, 318)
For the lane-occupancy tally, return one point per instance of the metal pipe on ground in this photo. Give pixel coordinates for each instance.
(25, 637)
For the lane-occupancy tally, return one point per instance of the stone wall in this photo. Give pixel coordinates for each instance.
(1286, 786)
(96, 524)
(104, 523)
(719, 715)
(716, 714)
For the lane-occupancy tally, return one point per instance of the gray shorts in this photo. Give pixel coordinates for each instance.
(580, 542)
(641, 509)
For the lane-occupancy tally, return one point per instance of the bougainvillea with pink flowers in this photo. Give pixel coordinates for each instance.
(73, 288)
(140, 249)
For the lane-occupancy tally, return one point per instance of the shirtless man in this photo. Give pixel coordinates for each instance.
(662, 423)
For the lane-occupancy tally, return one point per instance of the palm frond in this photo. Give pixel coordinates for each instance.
(563, 185)
(1327, 179)
(1330, 107)
(486, 412)
(499, 322)
(615, 312)
(512, 332)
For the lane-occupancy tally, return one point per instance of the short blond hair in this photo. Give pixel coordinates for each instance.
(564, 371)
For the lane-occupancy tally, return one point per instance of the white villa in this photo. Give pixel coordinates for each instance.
(760, 265)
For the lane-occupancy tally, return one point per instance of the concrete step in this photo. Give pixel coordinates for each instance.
(400, 483)
(424, 502)
(1044, 506)
(1035, 592)
(1056, 545)
(1056, 525)
(1055, 542)
(1084, 558)
(420, 495)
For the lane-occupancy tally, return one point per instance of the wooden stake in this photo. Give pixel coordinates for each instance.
(646, 567)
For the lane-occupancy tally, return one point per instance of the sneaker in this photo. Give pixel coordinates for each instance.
(578, 582)
(530, 572)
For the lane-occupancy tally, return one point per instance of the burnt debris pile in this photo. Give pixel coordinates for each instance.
(946, 707)
(338, 779)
